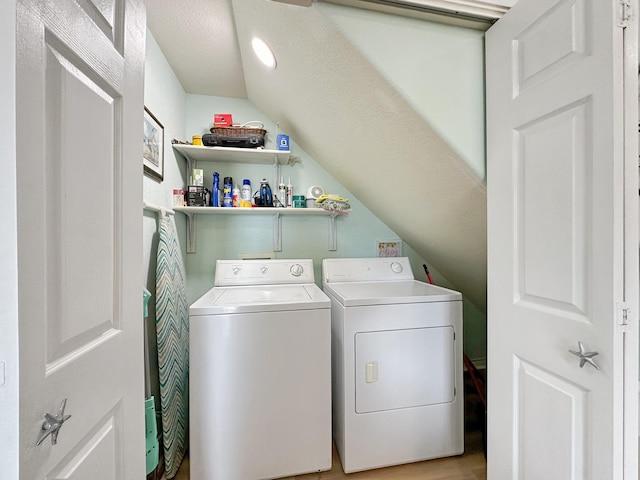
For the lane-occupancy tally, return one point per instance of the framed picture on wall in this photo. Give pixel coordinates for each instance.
(389, 248)
(153, 147)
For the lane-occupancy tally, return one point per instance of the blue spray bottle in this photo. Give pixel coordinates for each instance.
(215, 191)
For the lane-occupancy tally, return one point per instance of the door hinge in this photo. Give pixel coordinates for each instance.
(622, 314)
(624, 13)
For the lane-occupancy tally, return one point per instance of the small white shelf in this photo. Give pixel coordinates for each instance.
(252, 211)
(193, 212)
(196, 153)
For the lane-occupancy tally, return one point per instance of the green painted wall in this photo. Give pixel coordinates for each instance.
(225, 237)
(437, 68)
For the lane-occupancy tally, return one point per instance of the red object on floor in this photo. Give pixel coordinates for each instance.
(474, 373)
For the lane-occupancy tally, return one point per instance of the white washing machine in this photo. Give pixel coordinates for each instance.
(397, 364)
(260, 373)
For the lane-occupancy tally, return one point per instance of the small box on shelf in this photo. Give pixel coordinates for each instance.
(222, 120)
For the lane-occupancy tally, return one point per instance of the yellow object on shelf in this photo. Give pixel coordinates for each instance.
(196, 140)
(333, 203)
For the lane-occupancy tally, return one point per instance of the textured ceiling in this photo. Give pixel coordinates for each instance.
(198, 38)
(320, 73)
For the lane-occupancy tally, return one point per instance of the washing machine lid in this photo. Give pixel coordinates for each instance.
(388, 293)
(260, 298)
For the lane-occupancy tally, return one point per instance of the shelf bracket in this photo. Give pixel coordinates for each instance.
(333, 236)
(276, 176)
(191, 232)
(277, 232)
(191, 164)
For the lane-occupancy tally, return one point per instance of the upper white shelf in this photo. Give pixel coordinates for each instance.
(253, 211)
(196, 153)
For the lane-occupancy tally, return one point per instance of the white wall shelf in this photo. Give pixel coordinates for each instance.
(196, 153)
(253, 211)
(193, 212)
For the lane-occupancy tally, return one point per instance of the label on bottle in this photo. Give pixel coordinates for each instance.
(289, 196)
(236, 197)
(227, 195)
(246, 192)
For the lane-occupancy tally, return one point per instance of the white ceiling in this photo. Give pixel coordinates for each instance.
(205, 43)
(198, 38)
(200, 41)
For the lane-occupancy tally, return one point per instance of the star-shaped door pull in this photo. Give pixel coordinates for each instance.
(52, 423)
(585, 357)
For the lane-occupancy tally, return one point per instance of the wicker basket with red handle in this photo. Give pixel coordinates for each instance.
(240, 130)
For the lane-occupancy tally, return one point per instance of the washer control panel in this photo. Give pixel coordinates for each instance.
(263, 272)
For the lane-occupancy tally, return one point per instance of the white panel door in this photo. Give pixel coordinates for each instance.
(79, 122)
(556, 253)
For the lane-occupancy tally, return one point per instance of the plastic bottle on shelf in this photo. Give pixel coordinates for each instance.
(215, 191)
(289, 195)
(246, 193)
(282, 194)
(236, 196)
(227, 192)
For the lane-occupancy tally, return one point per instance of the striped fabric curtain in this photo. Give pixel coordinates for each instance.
(172, 327)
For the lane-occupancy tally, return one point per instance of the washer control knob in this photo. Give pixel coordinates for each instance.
(396, 267)
(235, 270)
(263, 270)
(296, 270)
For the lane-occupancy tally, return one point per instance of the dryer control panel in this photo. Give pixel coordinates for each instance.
(263, 272)
(366, 269)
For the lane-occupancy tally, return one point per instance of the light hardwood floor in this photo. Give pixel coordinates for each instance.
(469, 466)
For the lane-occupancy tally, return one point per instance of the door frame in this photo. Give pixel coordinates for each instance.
(631, 343)
(9, 389)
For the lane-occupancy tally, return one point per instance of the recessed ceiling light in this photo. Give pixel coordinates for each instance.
(263, 52)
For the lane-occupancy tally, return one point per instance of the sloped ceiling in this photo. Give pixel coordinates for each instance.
(341, 111)
(198, 38)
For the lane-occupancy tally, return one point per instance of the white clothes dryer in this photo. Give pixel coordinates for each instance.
(260, 373)
(396, 364)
